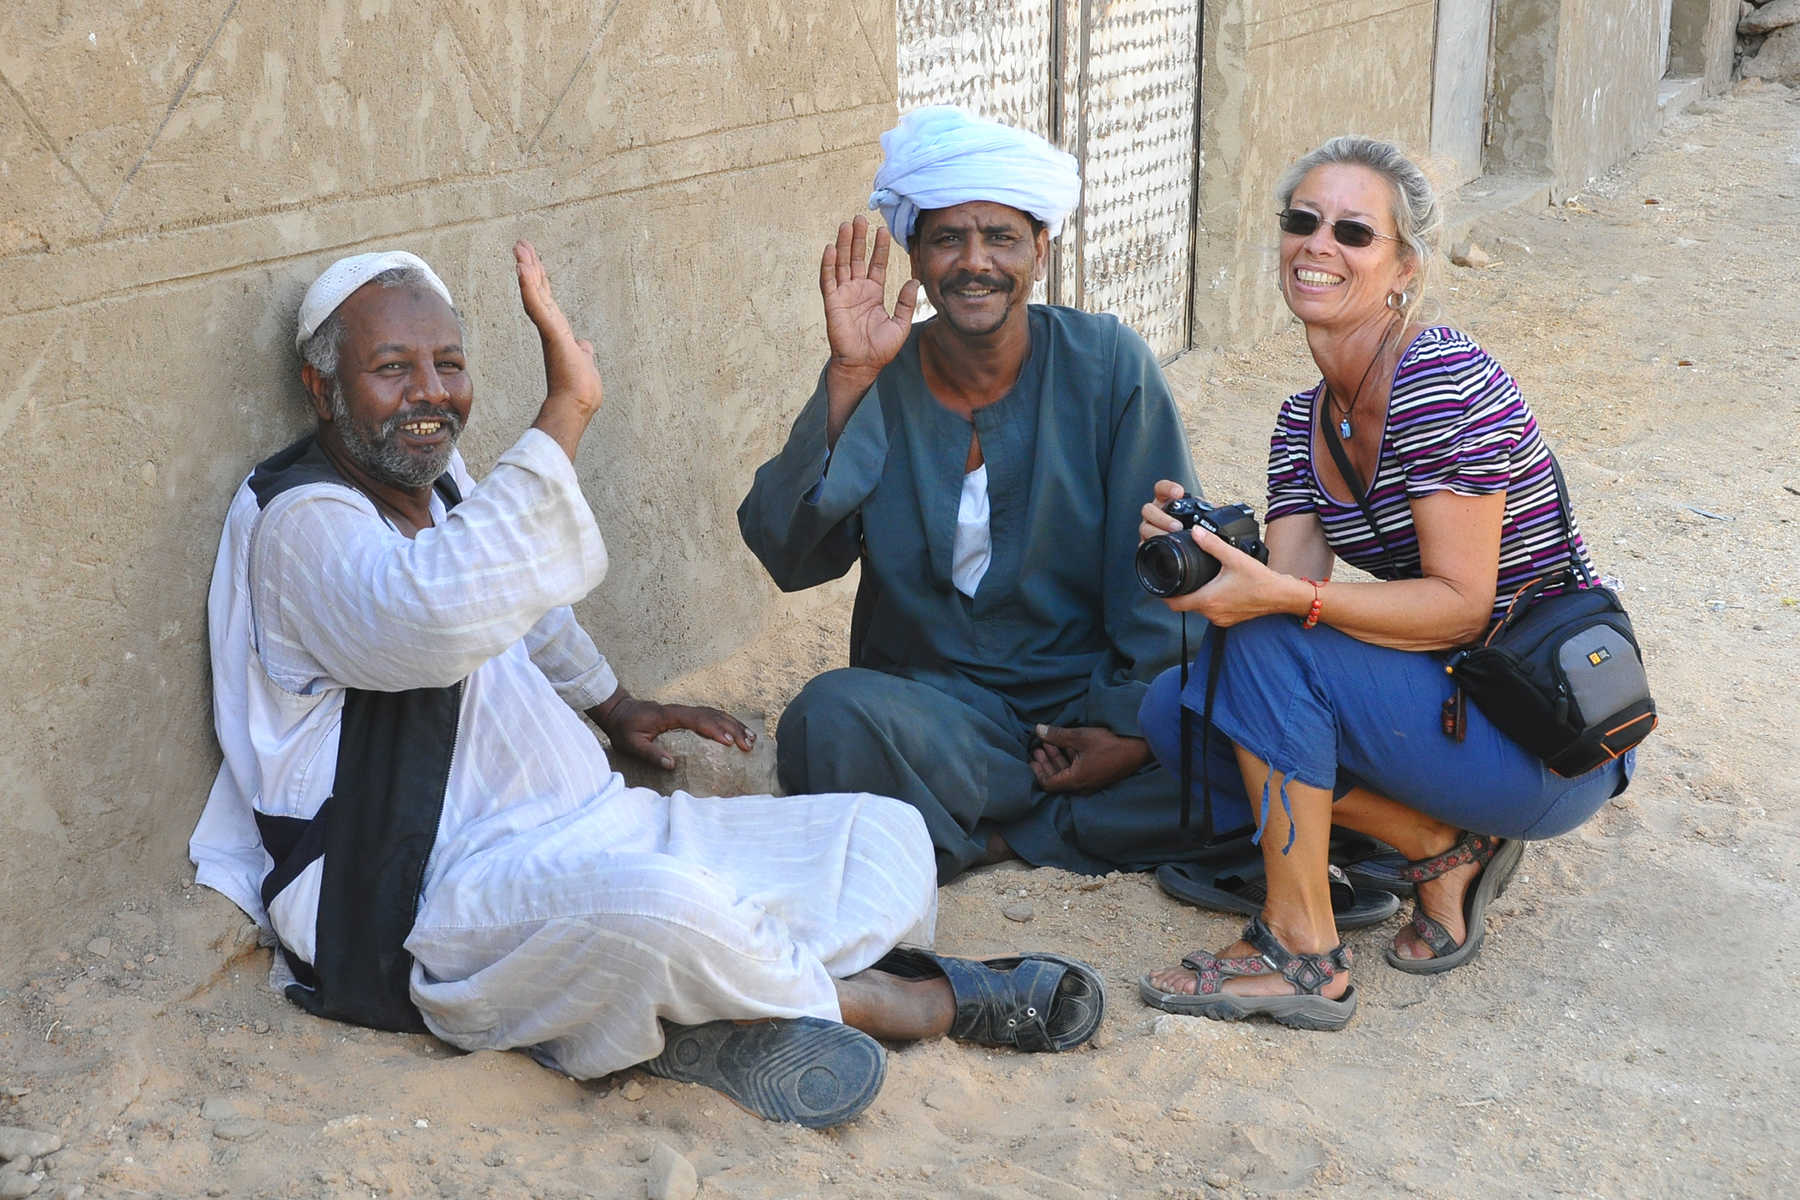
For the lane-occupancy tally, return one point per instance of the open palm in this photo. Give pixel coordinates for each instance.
(569, 367)
(864, 336)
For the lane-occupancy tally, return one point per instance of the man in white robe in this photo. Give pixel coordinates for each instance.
(412, 805)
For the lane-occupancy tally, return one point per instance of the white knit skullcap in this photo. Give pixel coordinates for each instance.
(336, 282)
(940, 157)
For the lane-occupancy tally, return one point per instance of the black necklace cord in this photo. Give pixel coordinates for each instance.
(1381, 350)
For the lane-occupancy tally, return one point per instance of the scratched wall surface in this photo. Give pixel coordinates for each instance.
(174, 172)
(990, 59)
(1609, 65)
(1131, 83)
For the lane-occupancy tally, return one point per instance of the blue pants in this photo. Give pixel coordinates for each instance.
(960, 754)
(1328, 710)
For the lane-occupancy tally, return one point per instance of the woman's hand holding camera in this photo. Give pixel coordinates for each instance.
(1243, 588)
(1156, 519)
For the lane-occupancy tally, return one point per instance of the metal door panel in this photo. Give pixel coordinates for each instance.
(991, 59)
(1114, 82)
(1130, 87)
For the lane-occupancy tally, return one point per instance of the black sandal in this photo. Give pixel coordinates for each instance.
(1499, 858)
(1029, 1002)
(1304, 1008)
(1246, 890)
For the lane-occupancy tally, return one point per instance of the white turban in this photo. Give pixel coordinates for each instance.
(940, 157)
(336, 282)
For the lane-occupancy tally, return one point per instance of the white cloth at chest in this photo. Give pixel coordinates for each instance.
(973, 546)
(561, 909)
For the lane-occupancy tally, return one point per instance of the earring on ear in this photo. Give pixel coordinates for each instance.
(1398, 300)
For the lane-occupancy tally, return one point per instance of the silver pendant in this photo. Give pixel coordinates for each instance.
(1344, 428)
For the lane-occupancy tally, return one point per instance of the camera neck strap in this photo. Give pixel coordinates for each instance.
(1576, 566)
(1353, 478)
(1214, 641)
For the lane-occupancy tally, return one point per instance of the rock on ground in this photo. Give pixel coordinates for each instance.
(1772, 16)
(16, 1142)
(671, 1176)
(706, 768)
(1779, 58)
(1470, 254)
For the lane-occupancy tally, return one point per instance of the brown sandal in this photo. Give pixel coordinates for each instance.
(1499, 858)
(1304, 1008)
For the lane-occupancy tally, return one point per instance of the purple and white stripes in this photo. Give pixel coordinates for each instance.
(1456, 422)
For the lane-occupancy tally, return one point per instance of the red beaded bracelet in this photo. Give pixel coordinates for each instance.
(1318, 602)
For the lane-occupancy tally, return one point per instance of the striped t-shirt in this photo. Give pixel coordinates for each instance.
(1455, 422)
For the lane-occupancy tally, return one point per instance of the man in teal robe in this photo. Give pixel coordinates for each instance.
(987, 468)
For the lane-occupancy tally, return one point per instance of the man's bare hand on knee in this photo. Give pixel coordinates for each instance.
(572, 380)
(1084, 758)
(633, 725)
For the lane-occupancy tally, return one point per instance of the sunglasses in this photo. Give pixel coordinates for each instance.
(1355, 234)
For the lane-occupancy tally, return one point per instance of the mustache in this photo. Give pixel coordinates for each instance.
(961, 279)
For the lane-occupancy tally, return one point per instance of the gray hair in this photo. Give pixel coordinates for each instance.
(321, 349)
(1418, 218)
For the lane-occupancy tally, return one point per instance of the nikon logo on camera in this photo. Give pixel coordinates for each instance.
(1596, 657)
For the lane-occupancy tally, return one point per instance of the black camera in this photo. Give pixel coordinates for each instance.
(1171, 565)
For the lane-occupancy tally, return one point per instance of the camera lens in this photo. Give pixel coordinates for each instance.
(1159, 567)
(1171, 565)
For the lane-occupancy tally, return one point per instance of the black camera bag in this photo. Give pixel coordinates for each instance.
(1562, 674)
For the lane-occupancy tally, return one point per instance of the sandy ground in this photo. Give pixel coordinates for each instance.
(1629, 1029)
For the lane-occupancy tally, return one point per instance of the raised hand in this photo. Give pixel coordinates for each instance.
(864, 336)
(572, 392)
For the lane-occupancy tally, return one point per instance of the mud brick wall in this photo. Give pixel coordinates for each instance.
(172, 175)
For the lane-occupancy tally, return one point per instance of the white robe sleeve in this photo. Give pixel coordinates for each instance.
(339, 596)
(567, 656)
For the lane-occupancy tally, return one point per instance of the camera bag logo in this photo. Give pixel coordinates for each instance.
(1596, 657)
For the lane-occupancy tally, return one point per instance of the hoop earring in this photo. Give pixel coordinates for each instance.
(1398, 300)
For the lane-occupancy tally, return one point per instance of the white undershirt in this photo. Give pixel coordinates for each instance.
(973, 546)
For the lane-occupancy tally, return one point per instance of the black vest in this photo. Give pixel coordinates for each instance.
(377, 827)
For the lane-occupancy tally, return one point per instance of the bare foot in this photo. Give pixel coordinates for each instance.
(995, 850)
(887, 1006)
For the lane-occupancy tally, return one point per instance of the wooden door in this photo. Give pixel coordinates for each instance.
(1459, 94)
